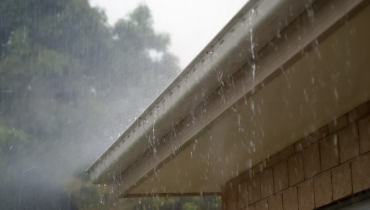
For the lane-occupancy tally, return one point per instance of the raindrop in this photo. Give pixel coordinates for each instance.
(211, 51)
(251, 34)
(305, 94)
(252, 107)
(253, 76)
(336, 93)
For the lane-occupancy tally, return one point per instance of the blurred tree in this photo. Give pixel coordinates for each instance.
(64, 70)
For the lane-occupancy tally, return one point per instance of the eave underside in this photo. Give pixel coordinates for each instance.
(323, 81)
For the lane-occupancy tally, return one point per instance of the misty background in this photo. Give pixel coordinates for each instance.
(70, 83)
(72, 79)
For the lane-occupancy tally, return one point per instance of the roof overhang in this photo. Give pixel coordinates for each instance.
(223, 75)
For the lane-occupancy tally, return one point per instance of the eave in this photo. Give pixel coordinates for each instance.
(190, 97)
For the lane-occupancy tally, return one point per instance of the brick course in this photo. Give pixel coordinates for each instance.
(323, 189)
(231, 199)
(311, 160)
(243, 195)
(328, 165)
(361, 173)
(281, 181)
(290, 199)
(302, 144)
(261, 205)
(341, 179)
(349, 146)
(319, 134)
(276, 202)
(295, 169)
(254, 189)
(329, 150)
(274, 159)
(364, 130)
(358, 112)
(287, 152)
(306, 199)
(267, 183)
(338, 124)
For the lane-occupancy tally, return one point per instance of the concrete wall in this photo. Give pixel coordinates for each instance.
(328, 165)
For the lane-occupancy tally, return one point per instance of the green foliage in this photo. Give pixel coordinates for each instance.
(63, 74)
(11, 138)
(190, 206)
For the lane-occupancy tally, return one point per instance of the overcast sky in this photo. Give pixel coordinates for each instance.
(190, 23)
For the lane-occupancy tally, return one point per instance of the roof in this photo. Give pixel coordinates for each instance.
(225, 70)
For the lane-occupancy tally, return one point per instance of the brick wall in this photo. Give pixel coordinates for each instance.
(328, 165)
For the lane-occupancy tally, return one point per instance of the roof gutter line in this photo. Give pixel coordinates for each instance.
(251, 29)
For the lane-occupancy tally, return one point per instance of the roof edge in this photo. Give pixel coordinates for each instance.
(214, 64)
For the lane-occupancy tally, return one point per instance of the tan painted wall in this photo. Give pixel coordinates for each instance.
(328, 165)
